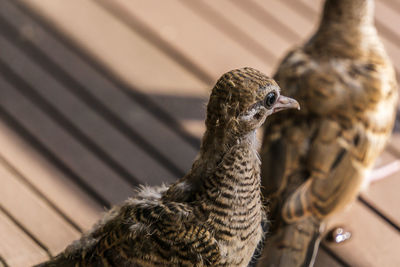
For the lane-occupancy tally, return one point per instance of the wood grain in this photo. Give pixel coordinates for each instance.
(129, 56)
(83, 118)
(16, 247)
(68, 149)
(34, 214)
(373, 243)
(162, 50)
(48, 180)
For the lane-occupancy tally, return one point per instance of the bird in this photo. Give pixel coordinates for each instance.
(315, 161)
(213, 215)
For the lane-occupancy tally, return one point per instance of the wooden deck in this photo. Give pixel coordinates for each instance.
(99, 96)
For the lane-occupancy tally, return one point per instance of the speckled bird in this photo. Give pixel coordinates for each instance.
(210, 217)
(315, 162)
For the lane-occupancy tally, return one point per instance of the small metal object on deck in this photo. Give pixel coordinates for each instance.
(338, 235)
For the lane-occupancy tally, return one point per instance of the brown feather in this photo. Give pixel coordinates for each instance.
(314, 161)
(210, 217)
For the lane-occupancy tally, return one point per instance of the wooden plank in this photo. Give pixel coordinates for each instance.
(315, 6)
(394, 4)
(49, 181)
(394, 143)
(384, 159)
(383, 194)
(3, 262)
(195, 127)
(114, 44)
(31, 212)
(299, 26)
(172, 108)
(389, 18)
(373, 242)
(16, 247)
(385, 165)
(245, 29)
(301, 7)
(119, 147)
(323, 259)
(91, 170)
(190, 111)
(392, 49)
(191, 34)
(128, 113)
(220, 22)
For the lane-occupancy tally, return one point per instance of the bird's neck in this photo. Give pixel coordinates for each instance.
(231, 198)
(347, 27)
(231, 162)
(217, 143)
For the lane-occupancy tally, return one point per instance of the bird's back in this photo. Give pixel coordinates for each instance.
(144, 231)
(218, 222)
(314, 161)
(348, 110)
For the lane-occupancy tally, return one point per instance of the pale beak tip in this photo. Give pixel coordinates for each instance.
(285, 102)
(295, 104)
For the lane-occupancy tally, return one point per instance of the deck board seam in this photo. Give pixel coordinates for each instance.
(135, 98)
(25, 231)
(133, 93)
(393, 149)
(210, 16)
(156, 40)
(371, 207)
(82, 93)
(51, 157)
(38, 193)
(301, 8)
(28, 91)
(392, 4)
(3, 262)
(387, 32)
(334, 256)
(267, 20)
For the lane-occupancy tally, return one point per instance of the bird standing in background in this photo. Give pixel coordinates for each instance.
(314, 162)
(210, 217)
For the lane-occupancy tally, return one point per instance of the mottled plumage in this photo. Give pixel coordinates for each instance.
(210, 217)
(314, 162)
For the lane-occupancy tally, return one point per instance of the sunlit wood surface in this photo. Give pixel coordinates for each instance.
(99, 96)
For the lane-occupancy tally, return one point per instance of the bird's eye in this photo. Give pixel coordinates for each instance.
(270, 99)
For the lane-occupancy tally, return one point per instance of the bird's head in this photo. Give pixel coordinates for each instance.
(242, 99)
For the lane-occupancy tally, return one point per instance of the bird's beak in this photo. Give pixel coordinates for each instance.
(284, 102)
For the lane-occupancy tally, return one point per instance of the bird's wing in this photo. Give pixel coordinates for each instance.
(336, 169)
(289, 134)
(158, 233)
(314, 160)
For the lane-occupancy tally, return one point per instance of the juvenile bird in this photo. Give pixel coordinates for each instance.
(314, 162)
(210, 217)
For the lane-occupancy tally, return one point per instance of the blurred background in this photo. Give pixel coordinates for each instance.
(99, 96)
